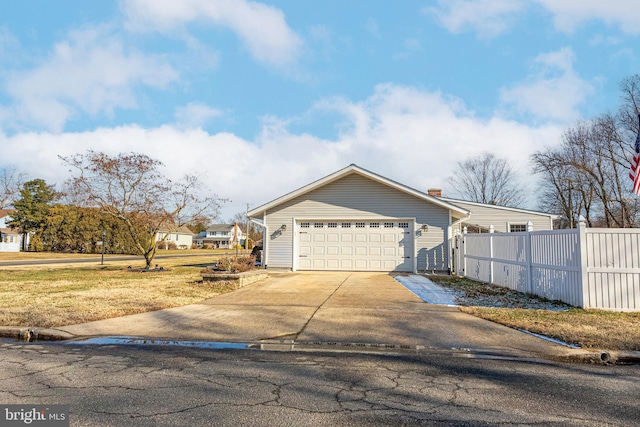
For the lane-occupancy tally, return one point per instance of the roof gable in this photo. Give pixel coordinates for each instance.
(354, 169)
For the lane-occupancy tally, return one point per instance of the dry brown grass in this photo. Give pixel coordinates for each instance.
(586, 328)
(50, 297)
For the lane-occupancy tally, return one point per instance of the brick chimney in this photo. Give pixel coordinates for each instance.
(436, 192)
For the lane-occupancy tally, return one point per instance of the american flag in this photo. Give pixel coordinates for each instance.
(635, 171)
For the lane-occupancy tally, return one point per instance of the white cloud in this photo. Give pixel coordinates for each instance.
(194, 115)
(553, 92)
(409, 135)
(263, 29)
(90, 72)
(568, 14)
(488, 18)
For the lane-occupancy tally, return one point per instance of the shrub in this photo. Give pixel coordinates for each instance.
(238, 264)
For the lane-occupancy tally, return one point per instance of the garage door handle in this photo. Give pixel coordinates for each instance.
(407, 257)
(302, 256)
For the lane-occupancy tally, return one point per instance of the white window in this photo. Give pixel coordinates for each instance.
(374, 225)
(346, 225)
(515, 228)
(332, 225)
(318, 225)
(304, 225)
(359, 224)
(388, 225)
(403, 224)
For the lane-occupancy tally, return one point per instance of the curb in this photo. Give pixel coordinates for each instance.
(600, 357)
(34, 334)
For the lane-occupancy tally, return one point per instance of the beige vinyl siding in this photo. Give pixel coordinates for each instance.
(500, 218)
(356, 197)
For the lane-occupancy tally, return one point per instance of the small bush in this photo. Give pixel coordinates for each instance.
(238, 264)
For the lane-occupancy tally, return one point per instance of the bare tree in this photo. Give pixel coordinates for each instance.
(587, 174)
(487, 179)
(11, 181)
(131, 188)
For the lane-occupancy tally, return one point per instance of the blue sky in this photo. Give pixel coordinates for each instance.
(263, 97)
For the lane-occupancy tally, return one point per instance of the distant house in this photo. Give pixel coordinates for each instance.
(9, 239)
(220, 236)
(182, 237)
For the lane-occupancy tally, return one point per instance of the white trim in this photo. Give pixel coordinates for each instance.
(504, 208)
(363, 172)
(509, 224)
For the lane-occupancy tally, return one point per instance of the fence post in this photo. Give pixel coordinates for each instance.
(584, 277)
(529, 258)
(491, 231)
(464, 251)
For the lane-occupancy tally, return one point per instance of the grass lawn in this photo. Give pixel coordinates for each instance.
(587, 328)
(50, 296)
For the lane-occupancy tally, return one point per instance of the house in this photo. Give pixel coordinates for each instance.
(355, 219)
(182, 237)
(220, 236)
(502, 218)
(10, 240)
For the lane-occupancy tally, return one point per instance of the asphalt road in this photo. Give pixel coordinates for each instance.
(173, 386)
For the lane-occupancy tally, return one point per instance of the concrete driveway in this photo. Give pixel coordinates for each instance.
(332, 307)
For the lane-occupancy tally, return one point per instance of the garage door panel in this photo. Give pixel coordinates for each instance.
(305, 250)
(319, 264)
(361, 246)
(389, 265)
(360, 250)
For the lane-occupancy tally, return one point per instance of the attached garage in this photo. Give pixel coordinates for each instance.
(357, 220)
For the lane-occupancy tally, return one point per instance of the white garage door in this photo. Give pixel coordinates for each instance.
(355, 245)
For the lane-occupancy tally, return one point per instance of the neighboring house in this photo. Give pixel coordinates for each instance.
(182, 237)
(9, 239)
(357, 220)
(220, 236)
(503, 219)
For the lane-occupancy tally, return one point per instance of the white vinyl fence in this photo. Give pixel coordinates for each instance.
(585, 267)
